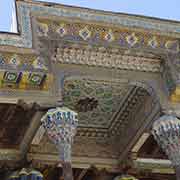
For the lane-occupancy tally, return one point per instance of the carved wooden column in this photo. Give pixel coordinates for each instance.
(166, 131)
(60, 125)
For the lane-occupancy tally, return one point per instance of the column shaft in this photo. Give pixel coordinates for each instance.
(67, 171)
(177, 170)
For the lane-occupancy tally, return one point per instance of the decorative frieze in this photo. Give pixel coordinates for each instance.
(24, 80)
(23, 71)
(25, 9)
(106, 58)
(23, 62)
(105, 36)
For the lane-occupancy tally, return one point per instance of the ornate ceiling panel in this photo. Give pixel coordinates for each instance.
(96, 101)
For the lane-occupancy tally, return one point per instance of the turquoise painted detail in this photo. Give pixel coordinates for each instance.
(25, 9)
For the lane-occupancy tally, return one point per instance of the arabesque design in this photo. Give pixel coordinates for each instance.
(107, 94)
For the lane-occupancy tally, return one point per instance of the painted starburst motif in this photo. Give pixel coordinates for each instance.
(62, 30)
(153, 42)
(14, 60)
(109, 36)
(85, 33)
(132, 39)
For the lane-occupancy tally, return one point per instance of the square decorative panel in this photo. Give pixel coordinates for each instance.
(36, 78)
(12, 77)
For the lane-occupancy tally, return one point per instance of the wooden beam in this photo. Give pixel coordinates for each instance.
(30, 133)
(82, 174)
(147, 123)
(38, 136)
(111, 165)
(140, 142)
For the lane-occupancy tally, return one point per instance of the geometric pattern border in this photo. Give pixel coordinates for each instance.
(24, 10)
